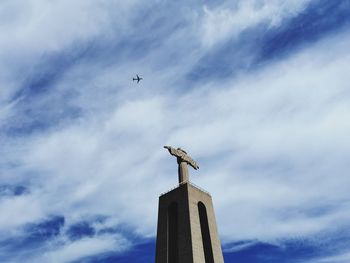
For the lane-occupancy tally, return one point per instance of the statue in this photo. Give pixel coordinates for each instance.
(182, 159)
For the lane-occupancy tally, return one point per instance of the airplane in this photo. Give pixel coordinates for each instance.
(137, 78)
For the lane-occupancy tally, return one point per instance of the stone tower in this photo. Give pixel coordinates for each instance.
(187, 231)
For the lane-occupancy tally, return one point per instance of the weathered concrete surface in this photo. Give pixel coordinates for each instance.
(189, 233)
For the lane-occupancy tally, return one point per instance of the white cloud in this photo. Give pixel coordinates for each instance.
(227, 21)
(241, 246)
(36, 29)
(266, 139)
(86, 247)
(340, 258)
(276, 139)
(51, 26)
(18, 211)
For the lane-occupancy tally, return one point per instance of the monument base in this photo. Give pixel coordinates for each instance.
(187, 231)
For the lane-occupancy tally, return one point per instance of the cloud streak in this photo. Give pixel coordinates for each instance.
(87, 143)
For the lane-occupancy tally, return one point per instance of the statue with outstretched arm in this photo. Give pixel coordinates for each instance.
(183, 159)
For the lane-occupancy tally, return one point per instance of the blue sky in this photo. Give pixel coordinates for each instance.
(257, 91)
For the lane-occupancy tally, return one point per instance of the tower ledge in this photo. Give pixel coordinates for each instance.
(183, 183)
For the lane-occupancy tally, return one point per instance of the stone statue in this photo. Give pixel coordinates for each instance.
(182, 159)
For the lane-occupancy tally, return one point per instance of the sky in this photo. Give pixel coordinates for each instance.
(256, 91)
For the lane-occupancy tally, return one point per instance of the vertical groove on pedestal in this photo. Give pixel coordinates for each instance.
(203, 219)
(173, 240)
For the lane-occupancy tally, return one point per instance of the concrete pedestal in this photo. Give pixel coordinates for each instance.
(187, 231)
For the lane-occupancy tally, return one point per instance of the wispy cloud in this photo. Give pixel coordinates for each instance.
(230, 20)
(86, 142)
(83, 248)
(342, 258)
